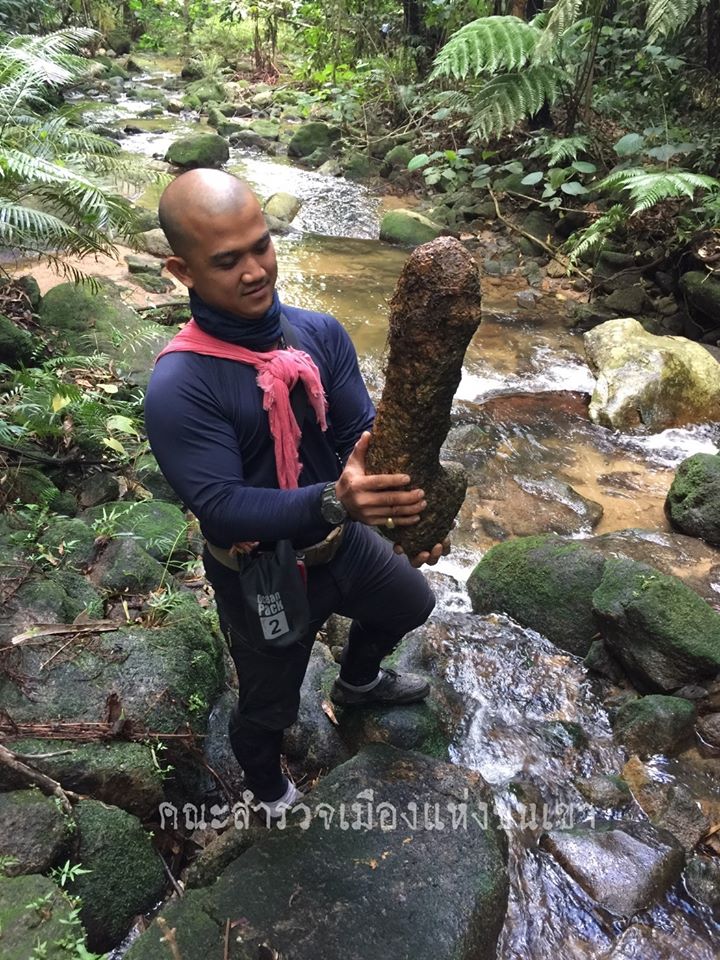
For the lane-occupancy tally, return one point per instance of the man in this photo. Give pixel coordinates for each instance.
(211, 428)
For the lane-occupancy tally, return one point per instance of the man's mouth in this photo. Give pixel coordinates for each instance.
(256, 291)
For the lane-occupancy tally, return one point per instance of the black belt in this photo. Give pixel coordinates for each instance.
(311, 556)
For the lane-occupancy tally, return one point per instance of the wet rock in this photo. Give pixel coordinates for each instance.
(143, 265)
(49, 920)
(71, 542)
(163, 679)
(702, 880)
(313, 740)
(246, 138)
(605, 791)
(586, 316)
(540, 225)
(625, 868)
(420, 726)
(693, 501)
(317, 158)
(200, 150)
(125, 877)
(155, 242)
(630, 301)
(568, 512)
(192, 70)
(118, 772)
(709, 729)
(437, 299)
(325, 892)
(655, 724)
(543, 582)
(284, 206)
(16, 344)
(599, 660)
(160, 528)
(125, 567)
(670, 806)
(408, 228)
(174, 105)
(398, 158)
(311, 137)
(656, 382)
(223, 850)
(659, 629)
(356, 165)
(262, 100)
(331, 168)
(34, 831)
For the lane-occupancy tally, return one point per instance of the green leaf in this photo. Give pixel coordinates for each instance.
(122, 425)
(533, 178)
(583, 166)
(421, 160)
(629, 145)
(115, 445)
(573, 187)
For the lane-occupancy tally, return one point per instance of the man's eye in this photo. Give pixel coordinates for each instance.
(227, 264)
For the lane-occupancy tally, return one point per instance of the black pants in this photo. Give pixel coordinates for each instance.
(383, 595)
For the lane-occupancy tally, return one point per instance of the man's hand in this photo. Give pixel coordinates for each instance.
(430, 557)
(375, 499)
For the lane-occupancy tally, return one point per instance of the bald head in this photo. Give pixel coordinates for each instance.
(194, 197)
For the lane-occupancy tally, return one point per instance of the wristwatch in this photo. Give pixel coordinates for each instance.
(330, 507)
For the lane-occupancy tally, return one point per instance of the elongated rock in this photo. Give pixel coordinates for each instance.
(434, 313)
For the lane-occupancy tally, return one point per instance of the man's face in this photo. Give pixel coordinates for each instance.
(230, 260)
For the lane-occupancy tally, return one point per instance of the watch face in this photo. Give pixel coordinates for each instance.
(332, 510)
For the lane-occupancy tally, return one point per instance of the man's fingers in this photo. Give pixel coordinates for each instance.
(381, 520)
(357, 457)
(386, 481)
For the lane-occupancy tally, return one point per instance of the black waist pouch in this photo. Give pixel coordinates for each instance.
(273, 598)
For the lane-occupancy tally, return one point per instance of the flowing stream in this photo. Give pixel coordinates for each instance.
(520, 425)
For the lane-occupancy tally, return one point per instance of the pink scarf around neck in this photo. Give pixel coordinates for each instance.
(278, 372)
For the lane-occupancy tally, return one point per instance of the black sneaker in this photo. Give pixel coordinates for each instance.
(392, 688)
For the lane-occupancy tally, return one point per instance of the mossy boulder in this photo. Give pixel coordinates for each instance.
(16, 344)
(125, 567)
(154, 242)
(160, 528)
(203, 91)
(693, 501)
(98, 488)
(116, 771)
(267, 129)
(545, 583)
(87, 322)
(408, 228)
(191, 70)
(152, 283)
(324, 891)
(702, 295)
(71, 541)
(200, 150)
(284, 206)
(655, 724)
(164, 678)
(119, 40)
(398, 157)
(125, 877)
(357, 165)
(34, 910)
(29, 485)
(661, 631)
(650, 381)
(151, 477)
(33, 831)
(311, 137)
(58, 597)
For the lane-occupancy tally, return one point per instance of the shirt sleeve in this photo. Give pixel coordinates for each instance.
(197, 450)
(351, 409)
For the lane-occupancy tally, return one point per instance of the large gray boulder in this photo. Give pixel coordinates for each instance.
(408, 228)
(339, 889)
(650, 381)
(34, 832)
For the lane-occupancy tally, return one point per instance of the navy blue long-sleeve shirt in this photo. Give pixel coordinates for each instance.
(211, 437)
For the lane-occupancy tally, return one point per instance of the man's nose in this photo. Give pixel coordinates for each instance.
(253, 271)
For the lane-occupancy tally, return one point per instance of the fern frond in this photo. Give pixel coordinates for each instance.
(597, 233)
(506, 100)
(645, 189)
(562, 16)
(487, 45)
(559, 149)
(666, 16)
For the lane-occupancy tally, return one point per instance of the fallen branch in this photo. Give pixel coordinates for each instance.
(540, 243)
(41, 630)
(31, 775)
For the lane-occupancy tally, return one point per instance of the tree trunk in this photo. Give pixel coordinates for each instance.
(518, 8)
(434, 313)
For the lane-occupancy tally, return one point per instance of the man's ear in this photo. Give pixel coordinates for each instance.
(180, 270)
